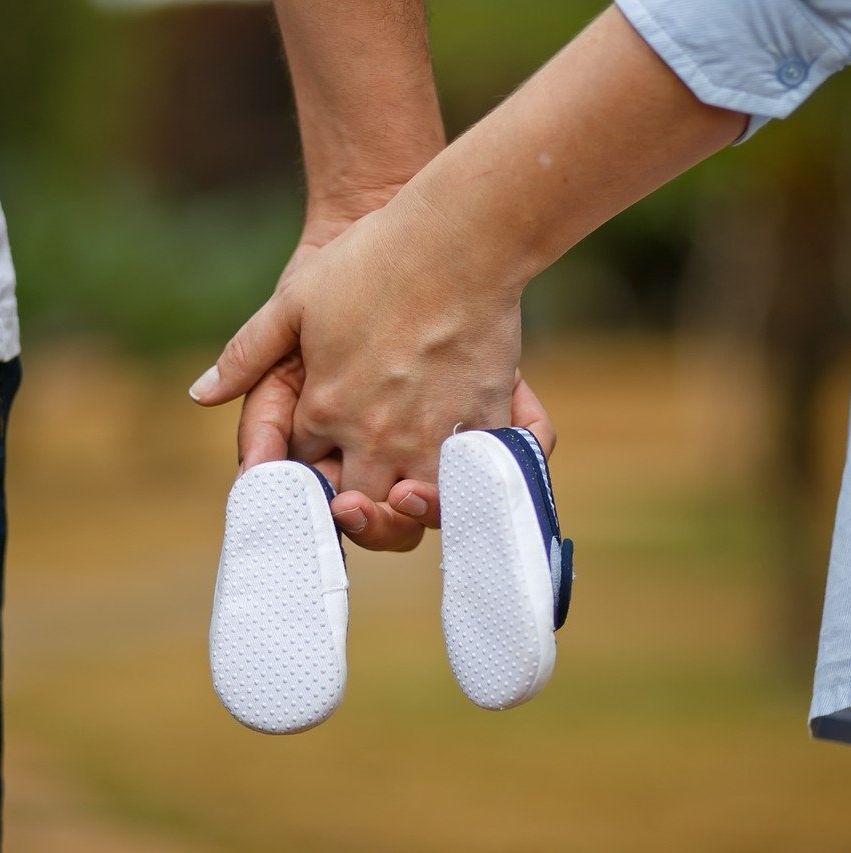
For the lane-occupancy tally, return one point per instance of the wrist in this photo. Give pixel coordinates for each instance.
(475, 246)
(331, 210)
(362, 178)
(368, 112)
(454, 266)
(341, 200)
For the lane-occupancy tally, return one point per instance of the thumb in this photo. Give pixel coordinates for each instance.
(527, 411)
(263, 341)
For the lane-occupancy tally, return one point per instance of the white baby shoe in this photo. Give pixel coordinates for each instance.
(280, 610)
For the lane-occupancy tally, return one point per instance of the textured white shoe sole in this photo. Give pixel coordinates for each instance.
(280, 610)
(497, 589)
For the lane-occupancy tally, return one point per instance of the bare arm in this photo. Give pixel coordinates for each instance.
(603, 124)
(367, 106)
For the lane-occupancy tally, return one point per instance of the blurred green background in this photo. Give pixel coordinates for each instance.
(693, 354)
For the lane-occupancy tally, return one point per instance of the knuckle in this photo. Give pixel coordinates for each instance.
(258, 431)
(289, 369)
(379, 426)
(384, 435)
(319, 408)
(235, 355)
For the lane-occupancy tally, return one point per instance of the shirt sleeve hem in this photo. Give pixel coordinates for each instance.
(689, 71)
(755, 122)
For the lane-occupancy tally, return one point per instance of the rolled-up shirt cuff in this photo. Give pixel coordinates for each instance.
(759, 58)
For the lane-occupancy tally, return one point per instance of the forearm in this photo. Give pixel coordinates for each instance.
(599, 127)
(364, 89)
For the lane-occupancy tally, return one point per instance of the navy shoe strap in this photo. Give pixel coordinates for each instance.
(528, 461)
(330, 493)
(562, 604)
(323, 480)
(536, 473)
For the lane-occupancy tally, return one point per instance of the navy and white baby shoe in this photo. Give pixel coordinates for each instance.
(507, 573)
(280, 610)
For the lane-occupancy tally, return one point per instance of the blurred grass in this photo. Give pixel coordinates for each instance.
(669, 724)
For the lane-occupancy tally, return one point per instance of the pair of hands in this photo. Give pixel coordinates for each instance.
(374, 345)
(398, 316)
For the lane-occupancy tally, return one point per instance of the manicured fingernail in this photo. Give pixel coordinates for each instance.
(352, 520)
(205, 383)
(412, 505)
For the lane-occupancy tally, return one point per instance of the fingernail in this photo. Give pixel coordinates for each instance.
(412, 505)
(204, 384)
(352, 520)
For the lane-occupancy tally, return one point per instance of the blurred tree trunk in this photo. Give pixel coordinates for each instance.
(766, 273)
(218, 108)
(803, 335)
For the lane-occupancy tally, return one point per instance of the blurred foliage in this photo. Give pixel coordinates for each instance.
(155, 274)
(149, 168)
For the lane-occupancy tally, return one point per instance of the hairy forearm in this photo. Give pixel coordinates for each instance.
(603, 124)
(367, 106)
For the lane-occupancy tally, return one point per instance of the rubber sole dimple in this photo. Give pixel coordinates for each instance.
(277, 636)
(497, 593)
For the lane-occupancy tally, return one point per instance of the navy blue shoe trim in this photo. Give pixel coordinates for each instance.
(566, 586)
(329, 493)
(545, 512)
(323, 480)
(525, 457)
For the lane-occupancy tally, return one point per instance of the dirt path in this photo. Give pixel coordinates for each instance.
(46, 812)
(669, 723)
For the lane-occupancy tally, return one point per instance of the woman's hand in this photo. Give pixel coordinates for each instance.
(399, 341)
(394, 524)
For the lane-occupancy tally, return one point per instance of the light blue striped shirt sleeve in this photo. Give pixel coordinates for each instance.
(760, 57)
(765, 58)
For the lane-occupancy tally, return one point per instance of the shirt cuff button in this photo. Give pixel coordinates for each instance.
(792, 72)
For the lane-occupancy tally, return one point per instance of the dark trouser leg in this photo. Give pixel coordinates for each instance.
(10, 378)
